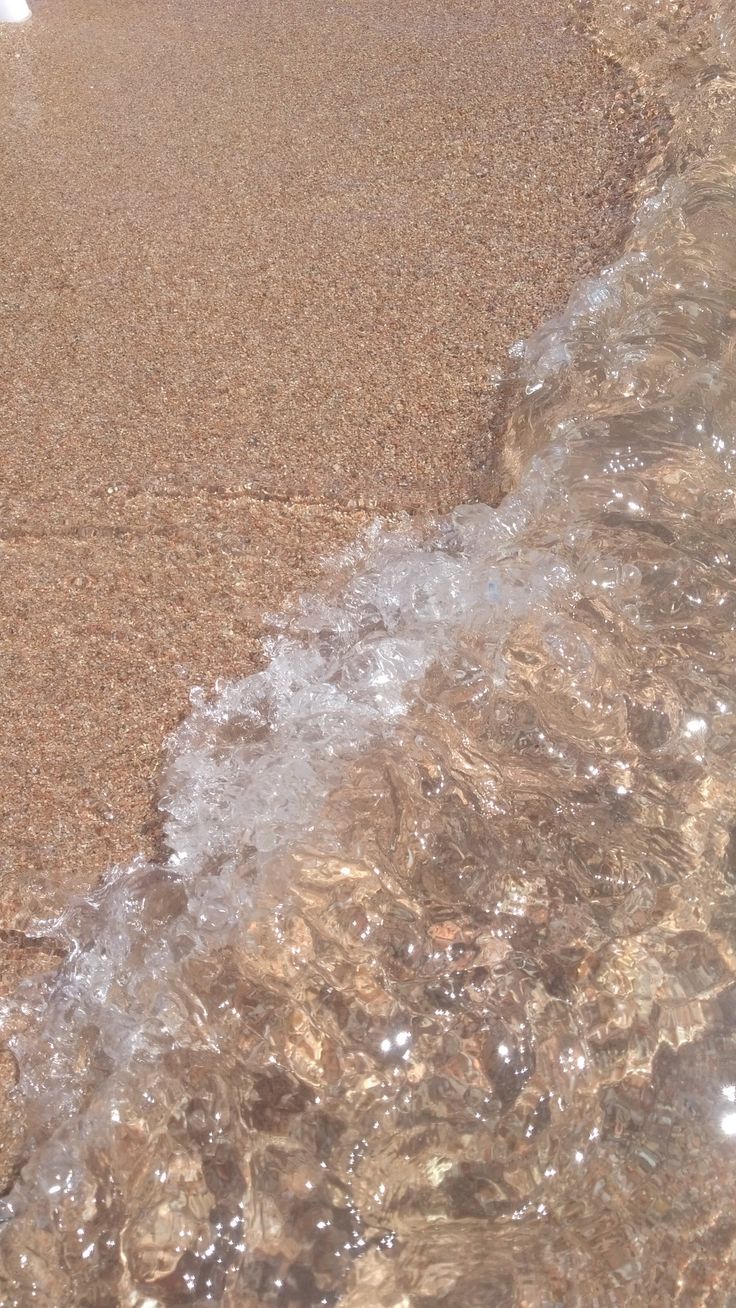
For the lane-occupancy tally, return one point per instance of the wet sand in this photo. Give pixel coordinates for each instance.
(264, 260)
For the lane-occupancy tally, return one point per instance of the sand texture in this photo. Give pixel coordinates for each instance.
(260, 261)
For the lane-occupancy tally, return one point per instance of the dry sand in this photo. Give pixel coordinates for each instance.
(259, 261)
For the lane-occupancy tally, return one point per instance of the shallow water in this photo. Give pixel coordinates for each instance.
(434, 1002)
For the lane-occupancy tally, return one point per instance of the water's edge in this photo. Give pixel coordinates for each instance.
(434, 999)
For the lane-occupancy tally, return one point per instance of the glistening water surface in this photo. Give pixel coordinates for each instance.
(434, 1001)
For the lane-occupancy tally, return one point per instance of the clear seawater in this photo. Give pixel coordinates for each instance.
(433, 1002)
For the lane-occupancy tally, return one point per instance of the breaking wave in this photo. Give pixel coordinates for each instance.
(434, 999)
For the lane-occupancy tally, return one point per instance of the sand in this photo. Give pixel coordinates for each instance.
(261, 262)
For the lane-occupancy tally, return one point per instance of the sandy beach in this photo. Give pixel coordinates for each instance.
(261, 264)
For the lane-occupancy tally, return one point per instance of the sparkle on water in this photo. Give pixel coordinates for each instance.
(434, 1001)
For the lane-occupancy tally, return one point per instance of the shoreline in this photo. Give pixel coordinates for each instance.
(123, 600)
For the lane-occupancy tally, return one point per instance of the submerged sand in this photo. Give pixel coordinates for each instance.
(263, 263)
